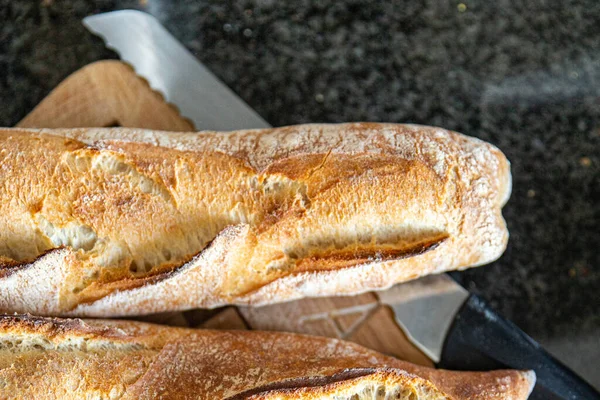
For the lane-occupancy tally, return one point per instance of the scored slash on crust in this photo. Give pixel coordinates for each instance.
(351, 384)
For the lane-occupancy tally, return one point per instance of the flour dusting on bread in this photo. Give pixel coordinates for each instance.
(127, 221)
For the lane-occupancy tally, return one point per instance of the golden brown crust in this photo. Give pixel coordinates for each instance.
(57, 358)
(385, 383)
(108, 222)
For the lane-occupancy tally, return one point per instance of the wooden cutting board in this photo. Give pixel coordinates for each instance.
(109, 93)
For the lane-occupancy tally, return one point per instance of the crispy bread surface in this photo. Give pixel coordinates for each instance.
(114, 222)
(51, 358)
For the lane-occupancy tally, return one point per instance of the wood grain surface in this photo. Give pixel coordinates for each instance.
(105, 93)
(109, 93)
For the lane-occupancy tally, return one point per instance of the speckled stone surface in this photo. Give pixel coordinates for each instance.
(524, 77)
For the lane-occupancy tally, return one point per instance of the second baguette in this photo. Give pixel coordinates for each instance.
(46, 358)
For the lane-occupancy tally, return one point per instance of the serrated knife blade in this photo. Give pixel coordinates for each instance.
(172, 70)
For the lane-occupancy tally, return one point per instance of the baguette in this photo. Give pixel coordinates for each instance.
(114, 222)
(51, 358)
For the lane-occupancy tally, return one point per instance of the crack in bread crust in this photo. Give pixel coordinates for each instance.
(252, 212)
(8, 266)
(380, 384)
(306, 382)
(22, 333)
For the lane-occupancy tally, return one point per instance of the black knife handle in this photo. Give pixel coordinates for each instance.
(480, 339)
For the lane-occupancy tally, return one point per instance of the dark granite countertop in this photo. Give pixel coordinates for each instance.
(524, 77)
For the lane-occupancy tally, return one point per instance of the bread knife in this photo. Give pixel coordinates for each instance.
(455, 328)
